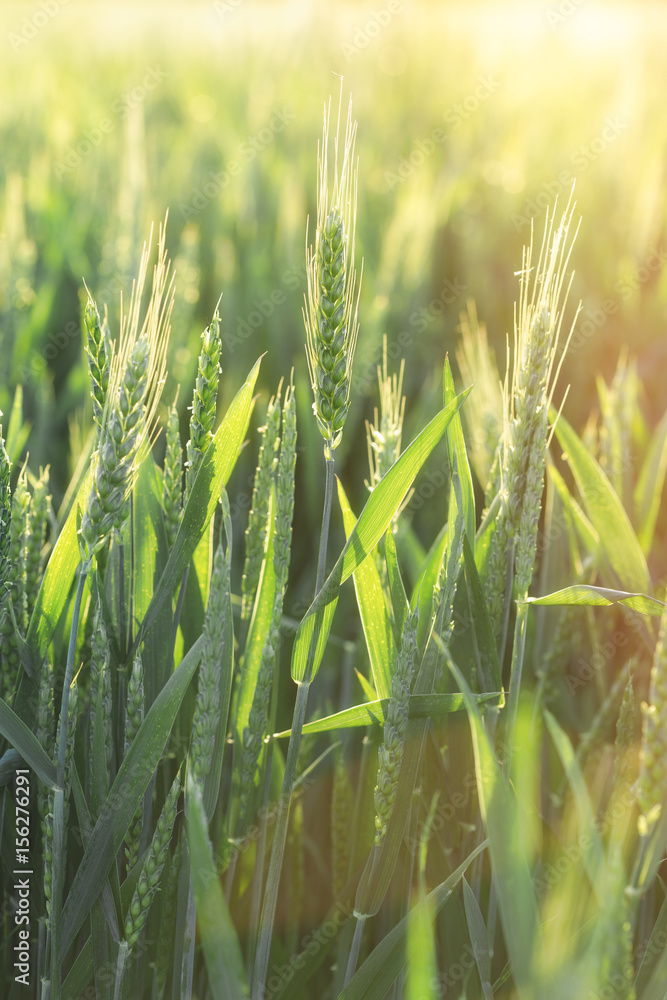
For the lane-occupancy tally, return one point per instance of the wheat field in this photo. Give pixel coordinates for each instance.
(333, 655)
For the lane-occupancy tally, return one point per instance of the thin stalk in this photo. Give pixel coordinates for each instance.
(179, 607)
(278, 850)
(280, 838)
(59, 833)
(518, 650)
(357, 849)
(122, 620)
(130, 623)
(258, 876)
(360, 918)
(260, 858)
(187, 969)
(326, 517)
(121, 966)
(639, 870)
(397, 989)
(229, 875)
(507, 603)
(355, 948)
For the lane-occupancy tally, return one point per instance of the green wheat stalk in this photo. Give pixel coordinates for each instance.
(172, 485)
(331, 324)
(134, 716)
(253, 734)
(256, 532)
(39, 519)
(204, 401)
(125, 435)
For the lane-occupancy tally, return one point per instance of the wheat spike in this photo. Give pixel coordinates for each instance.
(391, 752)
(330, 313)
(204, 401)
(149, 879)
(136, 377)
(172, 486)
(255, 538)
(98, 360)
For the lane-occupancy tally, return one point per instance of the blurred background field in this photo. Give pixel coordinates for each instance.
(472, 118)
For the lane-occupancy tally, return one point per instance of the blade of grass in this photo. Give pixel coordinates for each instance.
(375, 620)
(456, 448)
(425, 585)
(654, 955)
(648, 491)
(490, 676)
(17, 432)
(374, 713)
(587, 533)
(518, 905)
(585, 595)
(594, 855)
(373, 521)
(58, 577)
(26, 743)
(214, 471)
(479, 939)
(376, 975)
(605, 511)
(212, 782)
(123, 800)
(399, 599)
(220, 944)
(151, 554)
(258, 630)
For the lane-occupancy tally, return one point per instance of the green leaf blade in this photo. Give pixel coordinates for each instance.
(123, 800)
(585, 595)
(374, 713)
(26, 743)
(605, 511)
(384, 964)
(213, 473)
(373, 521)
(516, 896)
(456, 446)
(222, 951)
(375, 620)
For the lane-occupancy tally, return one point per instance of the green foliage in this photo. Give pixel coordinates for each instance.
(114, 690)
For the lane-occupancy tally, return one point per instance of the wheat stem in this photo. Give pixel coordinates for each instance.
(59, 825)
(172, 486)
